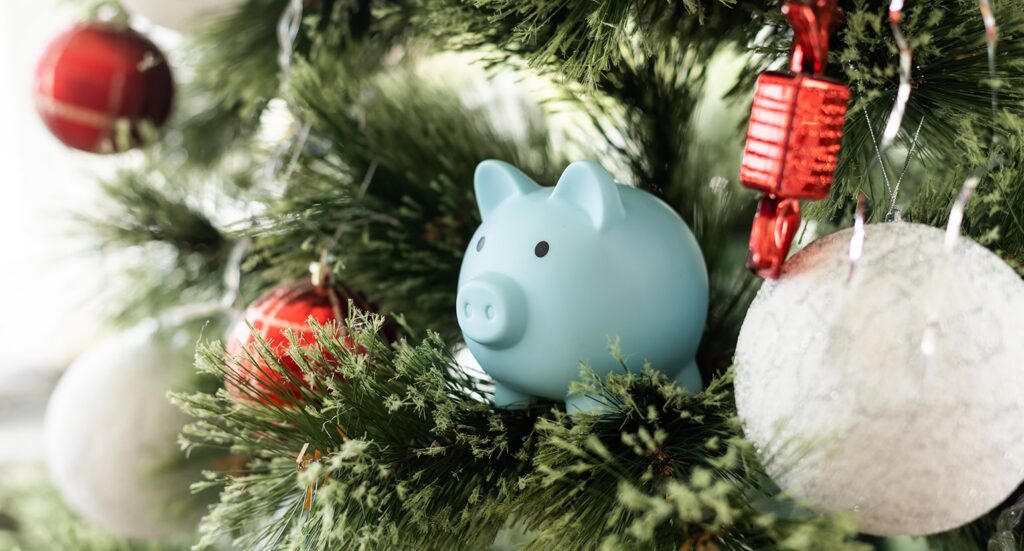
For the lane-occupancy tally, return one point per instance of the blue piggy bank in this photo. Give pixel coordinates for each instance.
(553, 274)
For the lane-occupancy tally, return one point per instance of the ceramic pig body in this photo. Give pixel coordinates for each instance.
(553, 274)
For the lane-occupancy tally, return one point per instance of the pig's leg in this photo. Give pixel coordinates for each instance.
(689, 378)
(506, 398)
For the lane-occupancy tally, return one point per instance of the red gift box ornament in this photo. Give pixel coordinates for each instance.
(795, 130)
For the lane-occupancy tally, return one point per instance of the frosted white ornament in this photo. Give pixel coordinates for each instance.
(846, 410)
(182, 15)
(111, 436)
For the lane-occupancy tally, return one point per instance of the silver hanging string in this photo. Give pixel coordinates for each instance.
(1009, 520)
(892, 129)
(320, 270)
(991, 38)
(956, 215)
(288, 28)
(859, 234)
(878, 154)
(954, 227)
(287, 32)
(894, 214)
(899, 108)
(299, 143)
(929, 342)
(233, 274)
(896, 115)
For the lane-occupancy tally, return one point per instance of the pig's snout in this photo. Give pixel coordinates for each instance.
(492, 310)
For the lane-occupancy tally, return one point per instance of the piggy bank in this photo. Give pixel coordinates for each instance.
(554, 275)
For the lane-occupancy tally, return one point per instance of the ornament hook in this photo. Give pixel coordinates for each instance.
(287, 32)
(859, 234)
(320, 271)
(232, 277)
(812, 22)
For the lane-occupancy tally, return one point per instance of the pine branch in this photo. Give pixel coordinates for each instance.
(402, 452)
(138, 213)
(235, 72)
(665, 468)
(952, 95)
(178, 251)
(591, 41)
(585, 38)
(408, 454)
(994, 217)
(237, 69)
(605, 38)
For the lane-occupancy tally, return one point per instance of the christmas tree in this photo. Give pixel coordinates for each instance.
(360, 138)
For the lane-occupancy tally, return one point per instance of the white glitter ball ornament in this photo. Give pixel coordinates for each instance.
(182, 15)
(847, 410)
(111, 436)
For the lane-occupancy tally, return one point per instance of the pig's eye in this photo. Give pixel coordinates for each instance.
(541, 250)
(480, 244)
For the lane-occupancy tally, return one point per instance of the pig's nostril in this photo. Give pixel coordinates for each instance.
(467, 309)
(489, 312)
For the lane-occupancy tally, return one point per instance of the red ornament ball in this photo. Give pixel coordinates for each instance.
(283, 310)
(102, 88)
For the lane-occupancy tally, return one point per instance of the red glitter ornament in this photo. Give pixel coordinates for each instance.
(102, 88)
(796, 125)
(794, 136)
(775, 226)
(283, 310)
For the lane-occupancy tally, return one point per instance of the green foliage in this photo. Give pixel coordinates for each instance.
(403, 449)
(586, 39)
(407, 451)
(665, 468)
(950, 101)
(145, 214)
(239, 73)
(176, 245)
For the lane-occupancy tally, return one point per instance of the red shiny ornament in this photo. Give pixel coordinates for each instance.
(102, 88)
(796, 126)
(794, 136)
(812, 25)
(775, 226)
(283, 310)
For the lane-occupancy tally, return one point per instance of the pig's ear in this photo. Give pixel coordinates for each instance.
(588, 185)
(497, 181)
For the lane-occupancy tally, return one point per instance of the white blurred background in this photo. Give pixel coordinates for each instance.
(47, 272)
